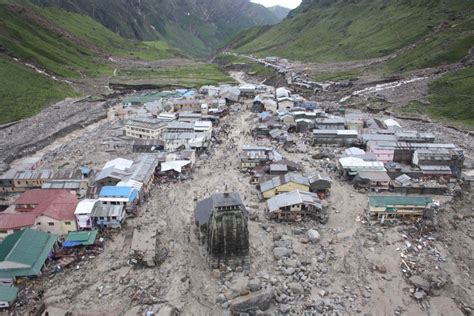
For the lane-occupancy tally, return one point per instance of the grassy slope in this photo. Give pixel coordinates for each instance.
(350, 30)
(91, 31)
(24, 93)
(188, 76)
(449, 45)
(451, 99)
(73, 46)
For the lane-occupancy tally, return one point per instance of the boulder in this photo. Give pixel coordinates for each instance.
(296, 288)
(281, 252)
(254, 285)
(313, 235)
(419, 282)
(254, 301)
(286, 243)
(419, 295)
(221, 299)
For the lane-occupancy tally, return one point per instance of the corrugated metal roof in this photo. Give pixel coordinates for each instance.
(119, 192)
(292, 198)
(150, 123)
(8, 293)
(85, 238)
(24, 252)
(15, 220)
(108, 210)
(280, 180)
(379, 176)
(394, 200)
(175, 165)
(119, 163)
(86, 206)
(62, 184)
(354, 151)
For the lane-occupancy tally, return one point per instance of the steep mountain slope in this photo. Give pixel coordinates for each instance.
(47, 54)
(279, 11)
(337, 30)
(195, 26)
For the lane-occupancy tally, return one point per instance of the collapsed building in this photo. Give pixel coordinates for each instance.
(221, 220)
(297, 205)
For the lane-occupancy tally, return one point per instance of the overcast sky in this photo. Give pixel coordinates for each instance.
(284, 3)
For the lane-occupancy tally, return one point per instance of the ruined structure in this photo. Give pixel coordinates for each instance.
(222, 226)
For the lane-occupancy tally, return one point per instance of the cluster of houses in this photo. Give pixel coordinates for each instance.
(168, 129)
(58, 209)
(377, 155)
(290, 196)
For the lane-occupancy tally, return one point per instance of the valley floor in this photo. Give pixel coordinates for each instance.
(355, 268)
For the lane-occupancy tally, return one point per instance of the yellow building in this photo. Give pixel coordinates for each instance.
(286, 183)
(146, 128)
(55, 225)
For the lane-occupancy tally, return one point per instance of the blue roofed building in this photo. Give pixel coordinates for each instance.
(120, 195)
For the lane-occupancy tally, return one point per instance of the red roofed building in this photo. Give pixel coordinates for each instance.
(53, 210)
(9, 223)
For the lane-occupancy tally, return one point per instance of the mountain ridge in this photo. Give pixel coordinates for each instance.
(326, 31)
(279, 11)
(195, 26)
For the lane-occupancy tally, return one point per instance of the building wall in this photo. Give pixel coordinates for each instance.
(54, 226)
(247, 164)
(285, 188)
(285, 105)
(289, 120)
(141, 132)
(109, 221)
(30, 183)
(383, 155)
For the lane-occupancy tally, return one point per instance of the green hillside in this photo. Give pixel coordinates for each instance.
(450, 99)
(66, 45)
(323, 30)
(25, 93)
(195, 26)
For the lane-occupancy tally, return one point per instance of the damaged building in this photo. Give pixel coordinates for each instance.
(221, 220)
(383, 207)
(297, 205)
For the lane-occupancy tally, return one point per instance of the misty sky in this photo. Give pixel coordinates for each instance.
(284, 3)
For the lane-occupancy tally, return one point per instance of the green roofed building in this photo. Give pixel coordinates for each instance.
(82, 238)
(398, 206)
(7, 295)
(24, 253)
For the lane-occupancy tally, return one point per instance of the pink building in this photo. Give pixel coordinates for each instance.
(384, 155)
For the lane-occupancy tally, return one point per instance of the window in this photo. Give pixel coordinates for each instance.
(114, 217)
(67, 223)
(51, 224)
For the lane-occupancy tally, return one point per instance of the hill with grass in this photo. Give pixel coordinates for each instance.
(48, 53)
(341, 30)
(195, 26)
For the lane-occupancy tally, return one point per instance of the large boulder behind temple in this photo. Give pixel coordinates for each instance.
(255, 301)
